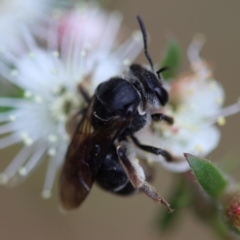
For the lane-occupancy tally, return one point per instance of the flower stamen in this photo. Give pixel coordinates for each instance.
(3, 178)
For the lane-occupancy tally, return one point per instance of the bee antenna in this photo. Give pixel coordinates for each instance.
(143, 30)
(162, 69)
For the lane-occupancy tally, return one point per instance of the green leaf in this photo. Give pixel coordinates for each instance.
(208, 175)
(172, 60)
(181, 197)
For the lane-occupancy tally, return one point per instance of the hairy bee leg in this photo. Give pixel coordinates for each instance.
(149, 169)
(162, 117)
(150, 192)
(154, 150)
(136, 176)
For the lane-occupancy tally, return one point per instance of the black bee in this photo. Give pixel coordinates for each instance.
(100, 149)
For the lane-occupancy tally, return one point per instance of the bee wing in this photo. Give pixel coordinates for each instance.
(84, 157)
(76, 178)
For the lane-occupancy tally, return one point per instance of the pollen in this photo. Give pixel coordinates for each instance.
(83, 53)
(221, 121)
(23, 171)
(12, 118)
(14, 72)
(126, 62)
(150, 161)
(46, 194)
(52, 138)
(26, 139)
(38, 99)
(3, 178)
(193, 128)
(52, 152)
(136, 160)
(62, 118)
(219, 101)
(28, 94)
(31, 55)
(166, 134)
(212, 84)
(55, 54)
(57, 89)
(199, 148)
(137, 35)
(57, 13)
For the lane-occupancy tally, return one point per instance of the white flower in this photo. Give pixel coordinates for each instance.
(15, 16)
(196, 101)
(50, 78)
(100, 38)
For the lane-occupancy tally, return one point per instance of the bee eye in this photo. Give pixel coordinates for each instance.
(162, 95)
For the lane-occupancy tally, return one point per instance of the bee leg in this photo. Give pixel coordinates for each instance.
(136, 175)
(149, 169)
(154, 150)
(162, 117)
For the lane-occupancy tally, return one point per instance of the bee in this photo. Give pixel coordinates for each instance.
(101, 149)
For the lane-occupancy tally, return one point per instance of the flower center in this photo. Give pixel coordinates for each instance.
(66, 103)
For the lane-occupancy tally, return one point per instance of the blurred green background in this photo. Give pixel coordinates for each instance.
(25, 215)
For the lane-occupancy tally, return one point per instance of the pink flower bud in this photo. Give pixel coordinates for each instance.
(232, 210)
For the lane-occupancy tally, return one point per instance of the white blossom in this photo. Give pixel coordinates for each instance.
(15, 17)
(82, 49)
(196, 101)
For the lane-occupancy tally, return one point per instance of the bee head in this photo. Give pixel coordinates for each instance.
(150, 85)
(155, 93)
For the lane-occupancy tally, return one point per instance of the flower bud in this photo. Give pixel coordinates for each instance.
(231, 211)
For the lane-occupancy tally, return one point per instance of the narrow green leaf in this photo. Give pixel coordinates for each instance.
(208, 175)
(172, 60)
